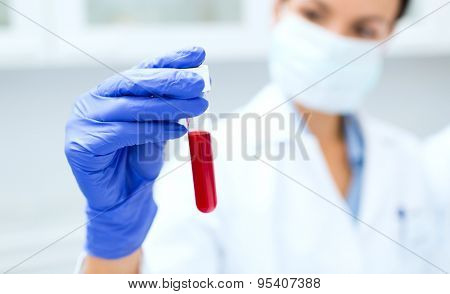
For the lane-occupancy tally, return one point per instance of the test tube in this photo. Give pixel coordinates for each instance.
(202, 158)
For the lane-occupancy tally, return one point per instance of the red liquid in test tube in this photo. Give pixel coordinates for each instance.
(203, 170)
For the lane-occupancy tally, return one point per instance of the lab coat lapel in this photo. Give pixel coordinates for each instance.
(304, 200)
(378, 176)
(311, 171)
(309, 217)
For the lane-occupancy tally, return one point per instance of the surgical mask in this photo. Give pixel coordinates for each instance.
(318, 67)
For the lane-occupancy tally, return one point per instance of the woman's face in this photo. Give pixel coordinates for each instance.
(362, 19)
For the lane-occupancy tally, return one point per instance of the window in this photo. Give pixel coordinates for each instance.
(163, 11)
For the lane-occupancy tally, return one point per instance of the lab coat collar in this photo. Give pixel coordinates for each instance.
(274, 109)
(265, 105)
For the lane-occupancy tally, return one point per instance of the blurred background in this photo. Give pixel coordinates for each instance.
(41, 75)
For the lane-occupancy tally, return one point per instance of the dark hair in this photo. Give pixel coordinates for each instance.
(403, 8)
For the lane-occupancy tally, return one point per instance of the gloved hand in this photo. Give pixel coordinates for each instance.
(114, 145)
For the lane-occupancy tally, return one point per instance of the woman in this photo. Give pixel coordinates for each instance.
(349, 200)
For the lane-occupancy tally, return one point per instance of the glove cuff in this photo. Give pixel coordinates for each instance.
(118, 232)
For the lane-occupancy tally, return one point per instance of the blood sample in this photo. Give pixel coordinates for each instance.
(202, 156)
(203, 170)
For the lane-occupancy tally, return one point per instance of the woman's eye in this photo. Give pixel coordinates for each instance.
(366, 33)
(312, 15)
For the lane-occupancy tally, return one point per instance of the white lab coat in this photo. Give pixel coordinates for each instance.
(267, 222)
(436, 154)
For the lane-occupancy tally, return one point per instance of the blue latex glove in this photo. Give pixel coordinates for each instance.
(114, 145)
